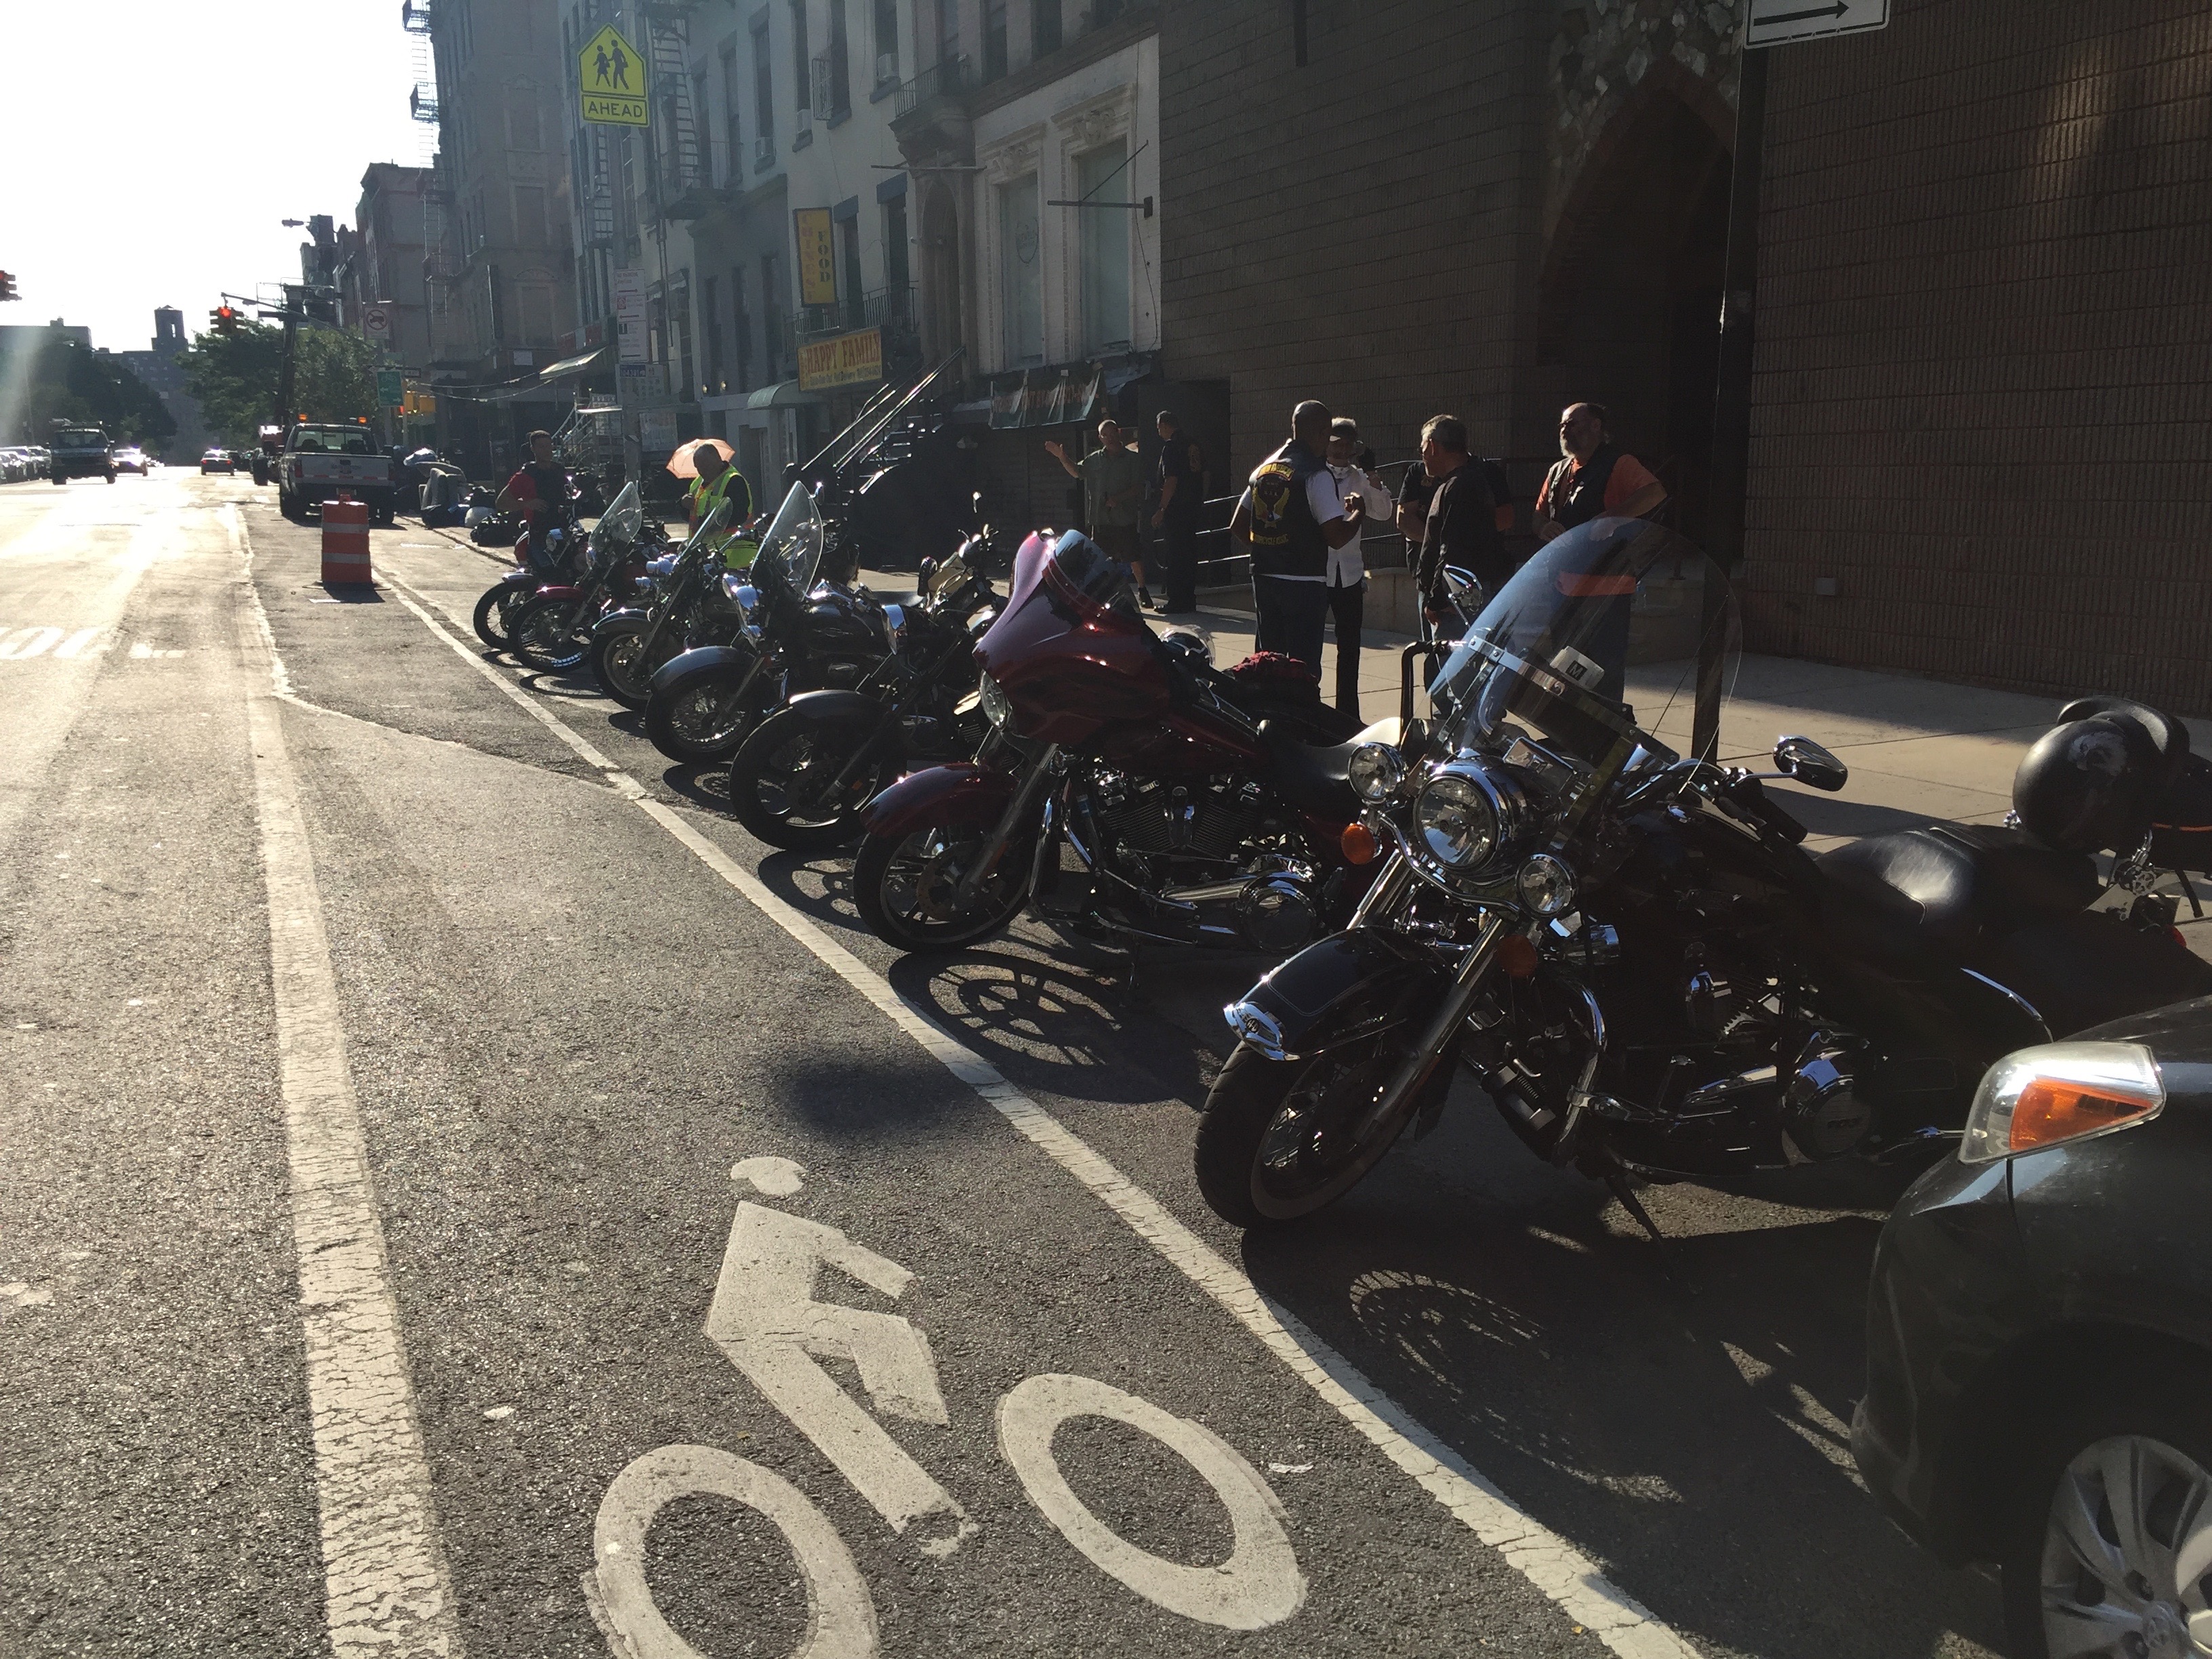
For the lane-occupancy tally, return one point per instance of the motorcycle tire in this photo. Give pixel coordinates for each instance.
(539, 635)
(622, 668)
(688, 722)
(1257, 1171)
(781, 751)
(495, 613)
(886, 891)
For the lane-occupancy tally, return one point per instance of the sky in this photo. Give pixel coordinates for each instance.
(153, 155)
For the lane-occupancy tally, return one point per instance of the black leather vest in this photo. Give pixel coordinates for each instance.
(1577, 497)
(1286, 540)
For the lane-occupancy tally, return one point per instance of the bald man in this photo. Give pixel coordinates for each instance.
(1290, 518)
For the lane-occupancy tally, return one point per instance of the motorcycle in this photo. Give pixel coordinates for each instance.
(542, 564)
(797, 636)
(552, 631)
(1197, 818)
(691, 607)
(802, 778)
(1630, 949)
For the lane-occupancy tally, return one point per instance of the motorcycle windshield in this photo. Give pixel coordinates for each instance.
(710, 529)
(1601, 638)
(624, 517)
(792, 547)
(1086, 577)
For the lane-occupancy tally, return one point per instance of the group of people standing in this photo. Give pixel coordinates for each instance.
(1115, 481)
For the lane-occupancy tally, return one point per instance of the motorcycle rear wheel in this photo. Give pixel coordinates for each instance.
(899, 881)
(779, 771)
(1273, 1141)
(697, 721)
(539, 635)
(496, 611)
(618, 661)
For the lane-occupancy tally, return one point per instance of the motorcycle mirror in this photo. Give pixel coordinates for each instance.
(1803, 761)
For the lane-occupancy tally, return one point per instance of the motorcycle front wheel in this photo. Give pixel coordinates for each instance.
(904, 887)
(780, 776)
(1275, 1141)
(495, 613)
(539, 635)
(624, 669)
(698, 719)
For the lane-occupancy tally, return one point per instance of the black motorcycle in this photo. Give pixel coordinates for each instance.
(693, 604)
(797, 636)
(552, 631)
(803, 777)
(1632, 950)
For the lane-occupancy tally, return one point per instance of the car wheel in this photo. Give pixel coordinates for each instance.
(2109, 1544)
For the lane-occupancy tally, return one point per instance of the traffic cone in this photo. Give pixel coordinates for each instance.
(345, 541)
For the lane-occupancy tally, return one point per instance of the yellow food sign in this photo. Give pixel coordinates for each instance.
(818, 256)
(848, 360)
(612, 78)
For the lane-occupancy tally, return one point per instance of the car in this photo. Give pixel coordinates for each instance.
(15, 465)
(218, 460)
(131, 459)
(42, 460)
(2040, 1338)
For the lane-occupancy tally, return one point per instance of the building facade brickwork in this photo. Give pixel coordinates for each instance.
(1985, 357)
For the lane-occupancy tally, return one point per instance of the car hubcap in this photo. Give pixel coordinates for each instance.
(2127, 1554)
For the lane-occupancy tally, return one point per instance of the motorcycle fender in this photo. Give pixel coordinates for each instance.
(700, 660)
(1336, 990)
(939, 796)
(514, 578)
(629, 619)
(823, 707)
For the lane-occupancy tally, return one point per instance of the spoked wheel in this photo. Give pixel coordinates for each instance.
(907, 887)
(624, 669)
(495, 614)
(1276, 1141)
(783, 780)
(699, 721)
(540, 635)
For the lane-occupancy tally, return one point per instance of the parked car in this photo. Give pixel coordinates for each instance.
(218, 460)
(42, 460)
(131, 459)
(2040, 1342)
(15, 465)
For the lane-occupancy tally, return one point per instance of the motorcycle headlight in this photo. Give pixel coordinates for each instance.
(1375, 770)
(895, 625)
(739, 593)
(1547, 886)
(996, 709)
(1458, 821)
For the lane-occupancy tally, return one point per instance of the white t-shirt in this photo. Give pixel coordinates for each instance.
(1346, 567)
(1326, 502)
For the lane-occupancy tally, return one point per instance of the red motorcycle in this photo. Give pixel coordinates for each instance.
(1195, 809)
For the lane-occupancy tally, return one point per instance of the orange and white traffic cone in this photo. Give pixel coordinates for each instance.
(346, 543)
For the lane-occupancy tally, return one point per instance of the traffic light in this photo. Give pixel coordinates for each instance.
(8, 286)
(225, 319)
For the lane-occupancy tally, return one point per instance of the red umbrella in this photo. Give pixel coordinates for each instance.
(685, 463)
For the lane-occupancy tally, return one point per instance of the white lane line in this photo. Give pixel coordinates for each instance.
(1548, 1561)
(386, 1589)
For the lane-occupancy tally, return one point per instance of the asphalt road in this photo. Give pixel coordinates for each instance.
(460, 1194)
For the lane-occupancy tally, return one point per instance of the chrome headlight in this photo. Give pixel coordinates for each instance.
(1467, 815)
(741, 594)
(1547, 886)
(996, 709)
(1375, 771)
(895, 625)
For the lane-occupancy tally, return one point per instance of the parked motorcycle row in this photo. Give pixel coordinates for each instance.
(1626, 946)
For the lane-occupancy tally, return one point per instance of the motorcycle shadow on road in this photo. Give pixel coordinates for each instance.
(705, 786)
(1695, 1445)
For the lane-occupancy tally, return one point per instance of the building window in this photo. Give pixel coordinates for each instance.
(948, 30)
(840, 65)
(848, 256)
(522, 132)
(1021, 278)
(714, 383)
(887, 53)
(1045, 33)
(742, 325)
(895, 275)
(763, 97)
(994, 40)
(801, 68)
(693, 168)
(530, 230)
(733, 160)
(774, 322)
(1105, 241)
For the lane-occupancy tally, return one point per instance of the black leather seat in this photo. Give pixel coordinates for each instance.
(1953, 885)
(1311, 778)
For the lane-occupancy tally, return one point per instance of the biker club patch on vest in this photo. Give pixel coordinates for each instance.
(1274, 486)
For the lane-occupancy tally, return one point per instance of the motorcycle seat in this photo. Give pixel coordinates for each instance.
(1314, 779)
(1953, 885)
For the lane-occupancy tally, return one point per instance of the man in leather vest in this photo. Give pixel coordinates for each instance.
(1290, 518)
(1596, 478)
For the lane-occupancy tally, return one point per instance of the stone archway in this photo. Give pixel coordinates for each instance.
(1629, 305)
(941, 333)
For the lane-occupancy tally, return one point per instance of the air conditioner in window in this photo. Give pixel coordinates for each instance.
(763, 150)
(886, 67)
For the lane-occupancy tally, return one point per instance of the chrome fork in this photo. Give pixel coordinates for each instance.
(1436, 1037)
(1024, 801)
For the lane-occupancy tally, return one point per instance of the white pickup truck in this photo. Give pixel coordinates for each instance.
(320, 460)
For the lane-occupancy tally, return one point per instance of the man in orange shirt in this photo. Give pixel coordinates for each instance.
(1597, 479)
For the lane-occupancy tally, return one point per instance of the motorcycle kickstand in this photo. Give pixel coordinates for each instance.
(1616, 1180)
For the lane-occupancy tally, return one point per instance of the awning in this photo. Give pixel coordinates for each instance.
(784, 394)
(575, 365)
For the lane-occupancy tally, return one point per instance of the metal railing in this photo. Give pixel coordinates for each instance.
(946, 78)
(888, 309)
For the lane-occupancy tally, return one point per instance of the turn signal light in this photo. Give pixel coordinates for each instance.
(2059, 1092)
(1517, 954)
(1358, 842)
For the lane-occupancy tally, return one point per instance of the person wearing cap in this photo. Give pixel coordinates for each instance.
(1348, 566)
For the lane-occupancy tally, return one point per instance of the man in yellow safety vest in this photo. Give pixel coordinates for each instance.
(718, 481)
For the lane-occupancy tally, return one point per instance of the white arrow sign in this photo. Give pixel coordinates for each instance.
(1781, 22)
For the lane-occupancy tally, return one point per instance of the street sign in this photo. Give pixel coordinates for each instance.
(630, 314)
(1783, 22)
(389, 390)
(818, 258)
(376, 322)
(611, 76)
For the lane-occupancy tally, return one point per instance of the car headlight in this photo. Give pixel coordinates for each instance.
(1547, 886)
(1375, 770)
(2060, 1092)
(996, 709)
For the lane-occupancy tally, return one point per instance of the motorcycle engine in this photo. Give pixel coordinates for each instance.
(1211, 821)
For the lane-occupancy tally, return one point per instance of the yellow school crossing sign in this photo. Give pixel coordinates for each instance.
(612, 77)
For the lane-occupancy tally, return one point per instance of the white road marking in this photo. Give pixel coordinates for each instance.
(1548, 1561)
(28, 643)
(74, 646)
(777, 1177)
(765, 1318)
(1259, 1584)
(386, 1586)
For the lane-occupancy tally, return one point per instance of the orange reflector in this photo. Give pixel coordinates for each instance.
(2051, 1111)
(1517, 955)
(1358, 841)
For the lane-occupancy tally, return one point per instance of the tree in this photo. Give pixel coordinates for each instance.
(236, 378)
(61, 378)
